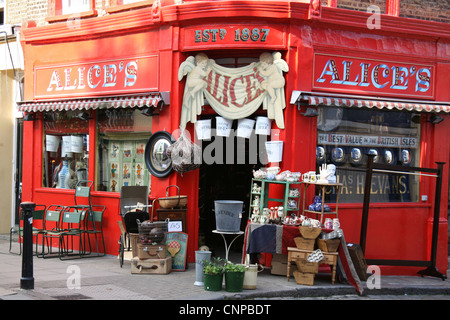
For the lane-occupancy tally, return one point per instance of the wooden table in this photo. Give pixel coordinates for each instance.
(329, 258)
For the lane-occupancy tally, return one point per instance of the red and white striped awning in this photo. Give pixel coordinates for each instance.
(368, 102)
(137, 101)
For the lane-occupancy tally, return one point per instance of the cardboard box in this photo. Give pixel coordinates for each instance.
(151, 266)
(304, 278)
(358, 260)
(149, 251)
(280, 268)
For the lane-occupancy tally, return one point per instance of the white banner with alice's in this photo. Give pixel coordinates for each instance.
(234, 93)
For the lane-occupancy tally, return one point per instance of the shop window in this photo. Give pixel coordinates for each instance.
(122, 136)
(66, 153)
(60, 10)
(345, 136)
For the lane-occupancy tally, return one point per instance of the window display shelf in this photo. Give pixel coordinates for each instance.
(322, 188)
(259, 196)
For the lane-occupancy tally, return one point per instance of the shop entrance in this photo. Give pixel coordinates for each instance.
(228, 177)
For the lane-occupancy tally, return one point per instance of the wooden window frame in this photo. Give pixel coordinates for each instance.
(117, 6)
(55, 12)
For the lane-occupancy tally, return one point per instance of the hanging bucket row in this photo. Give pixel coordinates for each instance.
(223, 127)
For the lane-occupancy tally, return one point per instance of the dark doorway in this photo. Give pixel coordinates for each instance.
(226, 176)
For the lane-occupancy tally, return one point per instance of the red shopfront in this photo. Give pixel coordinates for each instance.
(370, 80)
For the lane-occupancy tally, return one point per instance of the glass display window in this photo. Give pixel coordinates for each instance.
(345, 137)
(122, 137)
(66, 149)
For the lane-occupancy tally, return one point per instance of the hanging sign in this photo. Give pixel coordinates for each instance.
(234, 93)
(369, 76)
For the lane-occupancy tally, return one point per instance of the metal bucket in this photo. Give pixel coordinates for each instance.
(228, 215)
(200, 258)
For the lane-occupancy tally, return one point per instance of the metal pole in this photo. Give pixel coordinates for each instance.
(27, 280)
(365, 213)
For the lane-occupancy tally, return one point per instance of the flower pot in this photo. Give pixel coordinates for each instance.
(212, 282)
(234, 281)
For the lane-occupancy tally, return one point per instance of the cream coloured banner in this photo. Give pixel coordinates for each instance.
(234, 93)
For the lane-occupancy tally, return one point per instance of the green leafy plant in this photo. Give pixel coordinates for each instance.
(231, 267)
(214, 266)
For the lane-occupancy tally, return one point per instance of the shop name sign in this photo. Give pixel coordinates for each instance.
(99, 77)
(366, 140)
(373, 76)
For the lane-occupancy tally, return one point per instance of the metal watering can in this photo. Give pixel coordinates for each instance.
(251, 273)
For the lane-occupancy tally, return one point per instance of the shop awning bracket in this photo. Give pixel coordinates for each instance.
(156, 100)
(431, 269)
(303, 98)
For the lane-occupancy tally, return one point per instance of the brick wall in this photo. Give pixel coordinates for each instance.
(19, 11)
(433, 10)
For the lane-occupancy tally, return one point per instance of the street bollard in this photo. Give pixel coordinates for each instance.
(27, 280)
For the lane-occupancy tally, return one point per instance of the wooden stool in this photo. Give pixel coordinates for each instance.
(329, 258)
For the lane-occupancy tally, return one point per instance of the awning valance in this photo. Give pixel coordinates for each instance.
(139, 101)
(317, 99)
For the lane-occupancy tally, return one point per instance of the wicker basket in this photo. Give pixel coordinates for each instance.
(152, 232)
(330, 245)
(305, 266)
(304, 244)
(309, 232)
(171, 202)
(184, 154)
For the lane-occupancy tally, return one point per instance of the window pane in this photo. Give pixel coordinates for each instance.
(129, 1)
(75, 6)
(123, 134)
(345, 137)
(66, 154)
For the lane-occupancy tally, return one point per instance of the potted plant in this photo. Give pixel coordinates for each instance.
(234, 277)
(213, 274)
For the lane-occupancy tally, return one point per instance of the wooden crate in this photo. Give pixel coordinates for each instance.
(358, 260)
(309, 233)
(329, 245)
(151, 266)
(134, 240)
(304, 278)
(149, 251)
(305, 266)
(304, 244)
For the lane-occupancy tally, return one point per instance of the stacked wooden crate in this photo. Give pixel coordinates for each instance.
(309, 240)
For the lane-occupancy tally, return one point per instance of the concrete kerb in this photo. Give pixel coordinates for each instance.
(104, 276)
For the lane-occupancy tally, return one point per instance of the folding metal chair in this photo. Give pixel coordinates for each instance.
(38, 215)
(50, 230)
(94, 226)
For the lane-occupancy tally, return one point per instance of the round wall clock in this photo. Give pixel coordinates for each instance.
(156, 158)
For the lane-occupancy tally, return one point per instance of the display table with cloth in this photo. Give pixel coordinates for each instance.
(271, 238)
